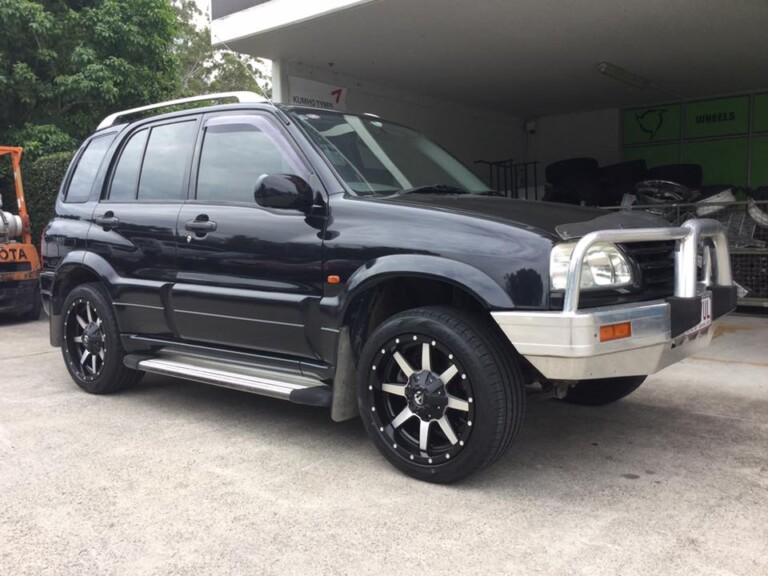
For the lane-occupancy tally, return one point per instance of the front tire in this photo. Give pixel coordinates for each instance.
(439, 394)
(603, 391)
(91, 343)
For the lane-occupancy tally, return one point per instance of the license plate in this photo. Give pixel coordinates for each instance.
(706, 316)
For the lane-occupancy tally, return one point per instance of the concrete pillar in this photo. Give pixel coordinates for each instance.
(279, 82)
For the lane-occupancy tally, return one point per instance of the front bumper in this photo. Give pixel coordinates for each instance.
(567, 345)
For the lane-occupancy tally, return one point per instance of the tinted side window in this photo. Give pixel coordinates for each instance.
(81, 183)
(125, 181)
(165, 160)
(235, 155)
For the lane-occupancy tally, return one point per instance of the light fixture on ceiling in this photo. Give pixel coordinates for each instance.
(627, 77)
(618, 73)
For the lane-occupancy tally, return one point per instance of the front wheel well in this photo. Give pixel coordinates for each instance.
(389, 297)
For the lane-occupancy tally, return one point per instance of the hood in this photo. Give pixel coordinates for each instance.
(558, 220)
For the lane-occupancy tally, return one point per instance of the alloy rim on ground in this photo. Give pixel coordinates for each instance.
(421, 399)
(85, 339)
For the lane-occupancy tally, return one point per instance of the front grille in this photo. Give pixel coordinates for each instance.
(655, 262)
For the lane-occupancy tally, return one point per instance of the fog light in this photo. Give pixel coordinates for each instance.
(615, 331)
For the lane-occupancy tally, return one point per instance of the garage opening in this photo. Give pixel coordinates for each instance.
(655, 106)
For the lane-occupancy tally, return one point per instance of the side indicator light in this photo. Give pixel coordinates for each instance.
(333, 279)
(615, 331)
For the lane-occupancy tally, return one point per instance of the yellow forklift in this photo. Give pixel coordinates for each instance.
(19, 260)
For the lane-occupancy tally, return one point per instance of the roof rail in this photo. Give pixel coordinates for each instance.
(239, 96)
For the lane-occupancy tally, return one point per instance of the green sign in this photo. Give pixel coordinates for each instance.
(760, 121)
(759, 162)
(654, 155)
(721, 117)
(722, 161)
(654, 124)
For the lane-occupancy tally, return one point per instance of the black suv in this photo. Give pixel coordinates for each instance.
(342, 261)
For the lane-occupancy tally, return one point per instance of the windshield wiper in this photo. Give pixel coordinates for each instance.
(433, 189)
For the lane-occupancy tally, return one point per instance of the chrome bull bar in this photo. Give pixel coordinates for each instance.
(717, 265)
(567, 344)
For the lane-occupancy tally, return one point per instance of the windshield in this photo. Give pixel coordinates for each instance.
(378, 157)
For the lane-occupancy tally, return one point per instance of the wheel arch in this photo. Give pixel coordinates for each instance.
(79, 268)
(387, 286)
(391, 284)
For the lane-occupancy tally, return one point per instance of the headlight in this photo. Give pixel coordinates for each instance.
(604, 267)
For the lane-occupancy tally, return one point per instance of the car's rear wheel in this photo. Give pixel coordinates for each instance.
(603, 391)
(91, 343)
(439, 395)
(36, 306)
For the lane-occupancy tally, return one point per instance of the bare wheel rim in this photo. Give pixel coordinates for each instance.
(421, 399)
(85, 340)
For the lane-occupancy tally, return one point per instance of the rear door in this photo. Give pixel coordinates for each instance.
(134, 224)
(248, 276)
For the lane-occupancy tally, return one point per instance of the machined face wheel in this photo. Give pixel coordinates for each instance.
(84, 338)
(421, 399)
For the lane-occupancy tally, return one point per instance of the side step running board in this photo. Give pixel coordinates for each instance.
(291, 387)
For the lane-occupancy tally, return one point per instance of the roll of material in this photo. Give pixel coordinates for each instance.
(10, 225)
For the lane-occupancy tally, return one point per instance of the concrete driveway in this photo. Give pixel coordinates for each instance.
(175, 477)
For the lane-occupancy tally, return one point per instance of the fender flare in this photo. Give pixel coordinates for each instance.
(464, 276)
(80, 259)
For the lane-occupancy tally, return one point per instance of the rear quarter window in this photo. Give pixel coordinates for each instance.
(86, 167)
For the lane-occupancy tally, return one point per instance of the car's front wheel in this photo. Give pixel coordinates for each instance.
(439, 394)
(91, 343)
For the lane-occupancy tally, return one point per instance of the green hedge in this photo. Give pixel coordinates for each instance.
(42, 178)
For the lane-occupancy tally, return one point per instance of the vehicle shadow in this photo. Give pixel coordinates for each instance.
(559, 443)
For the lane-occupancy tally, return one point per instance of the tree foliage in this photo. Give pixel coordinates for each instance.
(205, 69)
(65, 64)
(41, 184)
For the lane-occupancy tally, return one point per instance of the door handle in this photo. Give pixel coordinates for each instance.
(109, 220)
(200, 226)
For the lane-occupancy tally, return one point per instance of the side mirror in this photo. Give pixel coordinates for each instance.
(283, 191)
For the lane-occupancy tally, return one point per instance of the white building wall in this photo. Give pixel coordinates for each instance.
(472, 133)
(469, 133)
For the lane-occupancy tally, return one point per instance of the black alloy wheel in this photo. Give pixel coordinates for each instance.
(439, 397)
(85, 339)
(91, 345)
(422, 398)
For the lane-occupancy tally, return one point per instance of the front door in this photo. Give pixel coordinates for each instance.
(246, 275)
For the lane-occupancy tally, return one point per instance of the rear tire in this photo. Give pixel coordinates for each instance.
(37, 304)
(603, 391)
(91, 343)
(439, 395)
